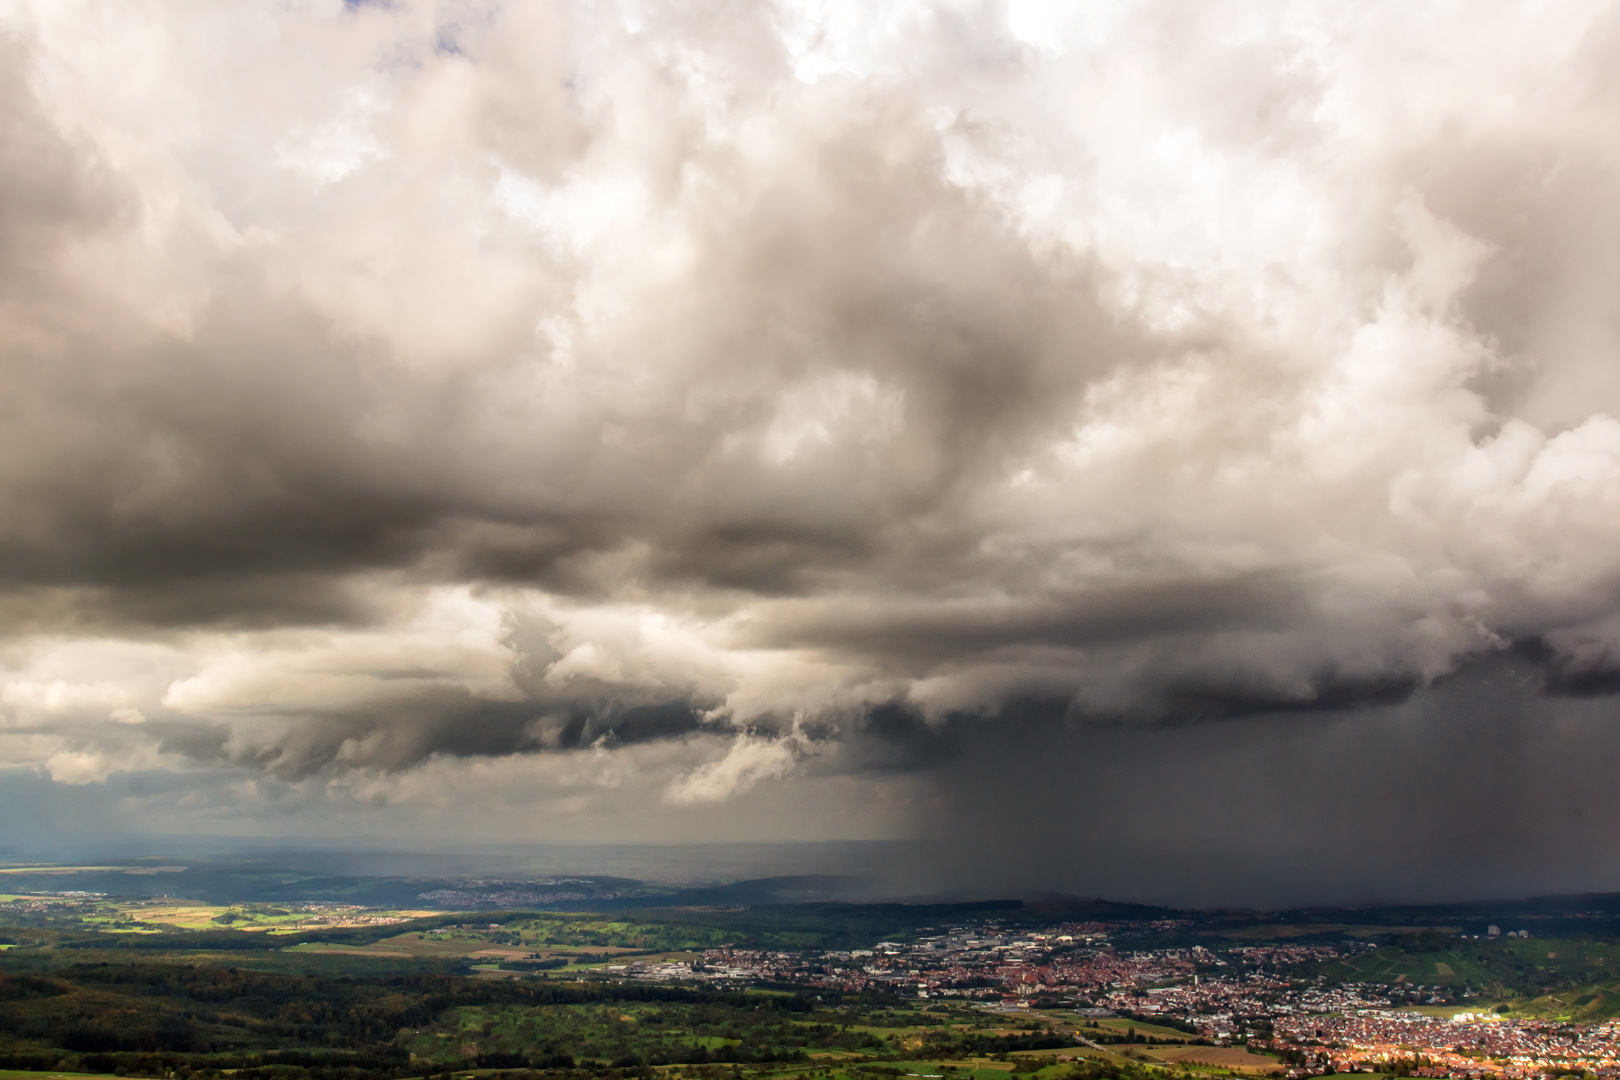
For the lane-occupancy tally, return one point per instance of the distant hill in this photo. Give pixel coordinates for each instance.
(1056, 907)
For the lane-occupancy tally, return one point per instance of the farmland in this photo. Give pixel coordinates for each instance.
(321, 990)
(168, 914)
(1231, 1057)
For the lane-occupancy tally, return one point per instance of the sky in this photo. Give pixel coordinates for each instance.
(1164, 450)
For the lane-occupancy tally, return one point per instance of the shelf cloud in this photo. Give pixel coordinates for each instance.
(729, 396)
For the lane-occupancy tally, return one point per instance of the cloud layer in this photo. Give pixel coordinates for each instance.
(783, 389)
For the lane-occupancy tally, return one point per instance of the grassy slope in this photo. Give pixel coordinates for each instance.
(1588, 1003)
(1516, 968)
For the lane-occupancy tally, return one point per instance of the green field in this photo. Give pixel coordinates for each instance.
(1392, 965)
(1510, 970)
(1586, 1003)
(1117, 1026)
(648, 1032)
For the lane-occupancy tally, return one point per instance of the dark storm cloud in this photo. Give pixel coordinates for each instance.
(837, 394)
(1058, 620)
(451, 724)
(1563, 675)
(1478, 787)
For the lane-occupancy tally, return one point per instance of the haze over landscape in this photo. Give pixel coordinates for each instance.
(1161, 451)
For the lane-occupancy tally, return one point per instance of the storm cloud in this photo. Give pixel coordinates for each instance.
(713, 397)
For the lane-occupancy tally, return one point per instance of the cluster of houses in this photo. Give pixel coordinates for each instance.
(1248, 994)
(1476, 1045)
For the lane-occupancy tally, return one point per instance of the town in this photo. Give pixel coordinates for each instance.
(1248, 995)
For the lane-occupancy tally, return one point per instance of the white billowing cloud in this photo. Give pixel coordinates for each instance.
(60, 678)
(452, 639)
(339, 145)
(68, 766)
(407, 384)
(841, 407)
(750, 760)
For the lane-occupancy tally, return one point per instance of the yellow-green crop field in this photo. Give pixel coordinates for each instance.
(153, 916)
